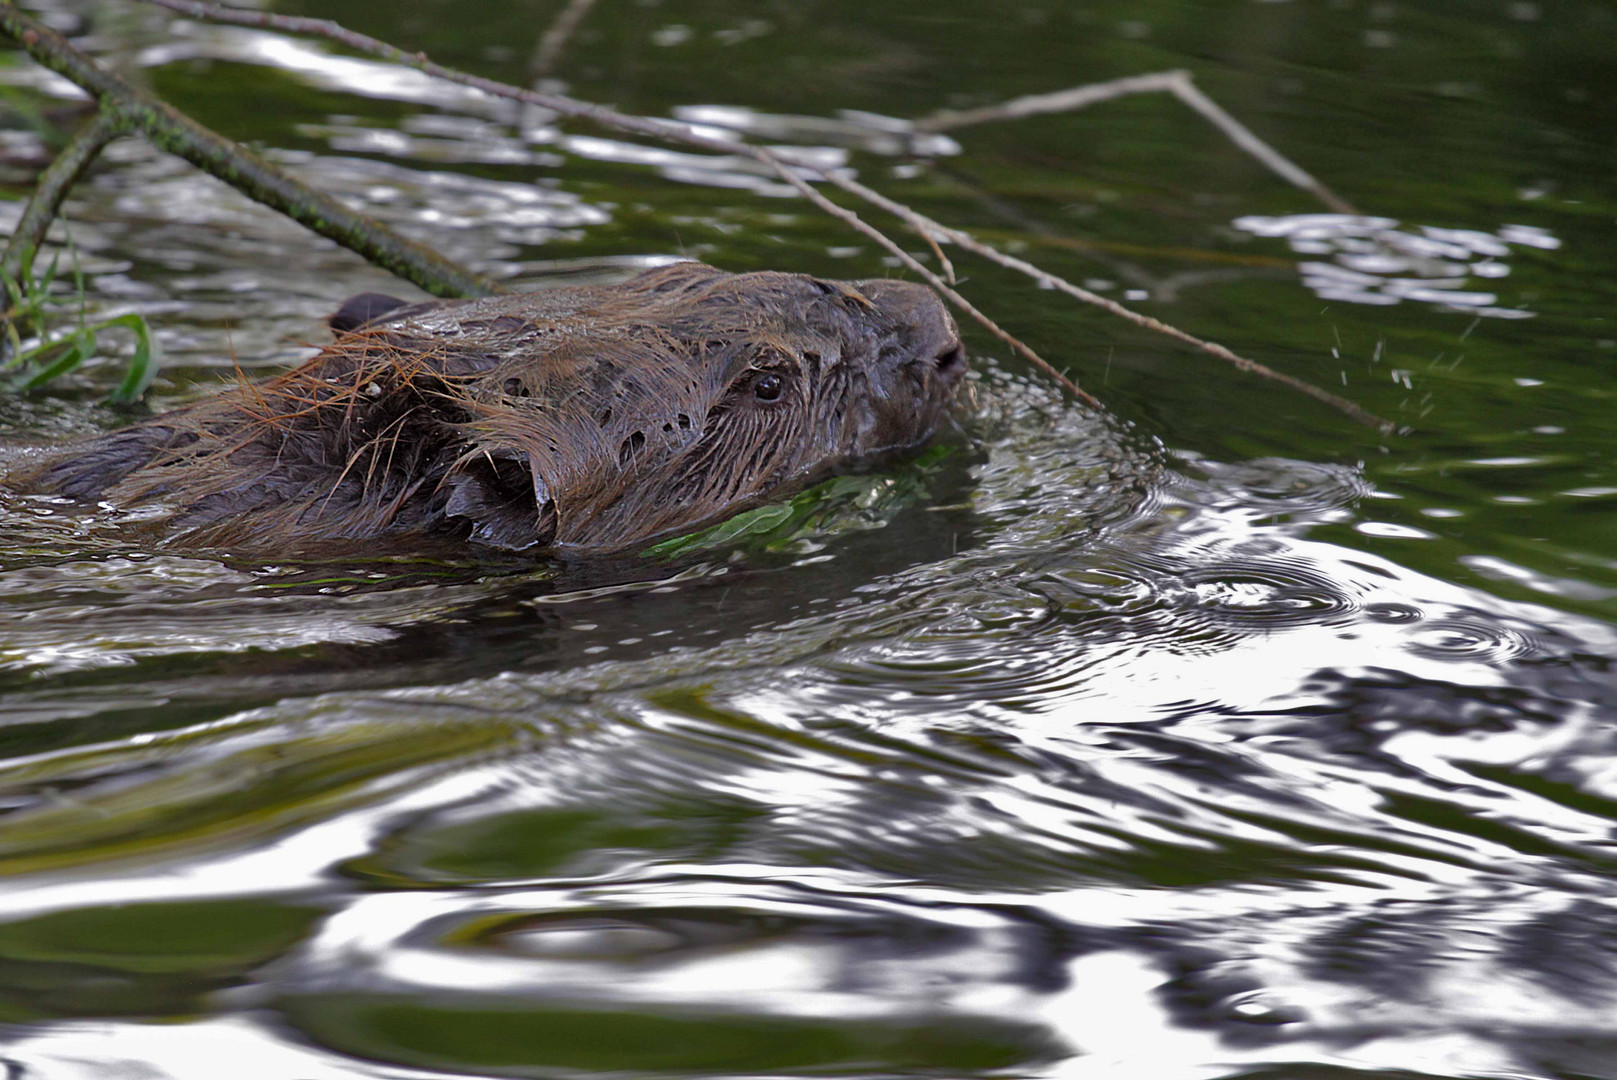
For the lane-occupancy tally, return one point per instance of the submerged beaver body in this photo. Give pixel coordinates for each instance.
(595, 417)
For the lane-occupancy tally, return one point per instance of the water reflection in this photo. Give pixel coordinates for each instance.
(1090, 757)
(1375, 260)
(1140, 730)
(314, 64)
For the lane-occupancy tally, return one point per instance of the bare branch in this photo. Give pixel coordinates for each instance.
(555, 39)
(1188, 92)
(1177, 83)
(1059, 101)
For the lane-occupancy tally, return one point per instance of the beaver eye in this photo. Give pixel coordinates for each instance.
(767, 387)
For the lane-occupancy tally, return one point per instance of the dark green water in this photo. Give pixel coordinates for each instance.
(1223, 738)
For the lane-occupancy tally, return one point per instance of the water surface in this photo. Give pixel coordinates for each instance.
(1214, 737)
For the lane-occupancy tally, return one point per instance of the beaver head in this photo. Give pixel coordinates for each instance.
(592, 417)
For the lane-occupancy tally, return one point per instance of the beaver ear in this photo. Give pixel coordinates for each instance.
(508, 506)
(356, 311)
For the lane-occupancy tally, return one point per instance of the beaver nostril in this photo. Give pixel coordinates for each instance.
(952, 360)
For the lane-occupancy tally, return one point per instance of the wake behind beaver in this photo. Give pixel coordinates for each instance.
(587, 418)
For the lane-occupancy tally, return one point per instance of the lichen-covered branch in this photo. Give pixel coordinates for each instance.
(135, 110)
(46, 202)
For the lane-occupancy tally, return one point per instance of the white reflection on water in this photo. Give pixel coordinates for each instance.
(886, 135)
(314, 65)
(940, 801)
(1377, 260)
(1223, 625)
(100, 1050)
(715, 170)
(297, 860)
(483, 143)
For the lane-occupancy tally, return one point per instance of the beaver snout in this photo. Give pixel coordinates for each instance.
(927, 332)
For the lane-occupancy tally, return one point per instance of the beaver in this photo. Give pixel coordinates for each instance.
(587, 418)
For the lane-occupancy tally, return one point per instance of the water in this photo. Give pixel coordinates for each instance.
(1220, 737)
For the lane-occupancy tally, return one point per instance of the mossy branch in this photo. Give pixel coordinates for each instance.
(127, 108)
(46, 202)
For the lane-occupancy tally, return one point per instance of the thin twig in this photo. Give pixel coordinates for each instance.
(1241, 135)
(1038, 104)
(556, 37)
(937, 250)
(1180, 85)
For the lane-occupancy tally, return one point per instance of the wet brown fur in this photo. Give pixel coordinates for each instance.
(594, 417)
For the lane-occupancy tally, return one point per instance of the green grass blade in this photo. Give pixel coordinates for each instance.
(51, 360)
(80, 348)
(142, 366)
